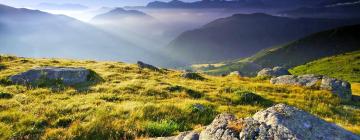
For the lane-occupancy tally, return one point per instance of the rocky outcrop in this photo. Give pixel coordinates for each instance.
(338, 87)
(143, 65)
(192, 75)
(303, 80)
(66, 75)
(276, 123)
(275, 72)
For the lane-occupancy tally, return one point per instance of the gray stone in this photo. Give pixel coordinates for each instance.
(338, 87)
(303, 80)
(280, 122)
(192, 75)
(275, 72)
(191, 136)
(147, 66)
(219, 129)
(286, 122)
(67, 75)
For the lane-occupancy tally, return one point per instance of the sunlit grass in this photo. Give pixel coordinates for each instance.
(132, 103)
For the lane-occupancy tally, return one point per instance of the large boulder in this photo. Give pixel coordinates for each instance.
(279, 122)
(309, 80)
(274, 72)
(338, 87)
(66, 75)
(143, 65)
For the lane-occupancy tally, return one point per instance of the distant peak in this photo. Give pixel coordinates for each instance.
(252, 15)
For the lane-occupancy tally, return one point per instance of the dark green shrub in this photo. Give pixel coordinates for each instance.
(63, 122)
(193, 76)
(175, 88)
(249, 98)
(162, 128)
(2, 67)
(110, 98)
(202, 114)
(5, 95)
(193, 93)
(190, 92)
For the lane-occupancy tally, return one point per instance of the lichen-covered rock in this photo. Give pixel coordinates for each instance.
(303, 80)
(279, 122)
(338, 87)
(66, 75)
(192, 75)
(286, 122)
(219, 129)
(275, 72)
(147, 66)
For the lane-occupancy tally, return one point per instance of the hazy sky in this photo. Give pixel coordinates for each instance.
(90, 3)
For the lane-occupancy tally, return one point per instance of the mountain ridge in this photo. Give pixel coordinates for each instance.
(312, 47)
(242, 35)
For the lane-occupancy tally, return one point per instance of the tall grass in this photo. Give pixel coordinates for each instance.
(131, 102)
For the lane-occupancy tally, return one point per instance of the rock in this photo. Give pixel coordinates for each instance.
(338, 87)
(279, 122)
(67, 75)
(198, 107)
(235, 73)
(143, 65)
(192, 75)
(219, 129)
(286, 122)
(182, 136)
(275, 72)
(304, 80)
(192, 136)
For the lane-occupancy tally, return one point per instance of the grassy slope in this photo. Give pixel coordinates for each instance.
(346, 66)
(315, 46)
(141, 103)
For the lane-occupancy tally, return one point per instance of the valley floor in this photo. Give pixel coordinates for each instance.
(138, 103)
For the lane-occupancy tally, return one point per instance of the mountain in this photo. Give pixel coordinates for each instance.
(66, 6)
(233, 4)
(34, 33)
(120, 13)
(323, 44)
(344, 66)
(330, 9)
(242, 35)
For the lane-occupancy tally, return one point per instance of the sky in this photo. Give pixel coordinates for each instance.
(89, 3)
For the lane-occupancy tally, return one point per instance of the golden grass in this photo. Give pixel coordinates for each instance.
(133, 103)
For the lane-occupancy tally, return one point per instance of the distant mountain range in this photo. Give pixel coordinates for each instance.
(243, 35)
(334, 9)
(34, 33)
(66, 6)
(120, 13)
(327, 43)
(235, 4)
